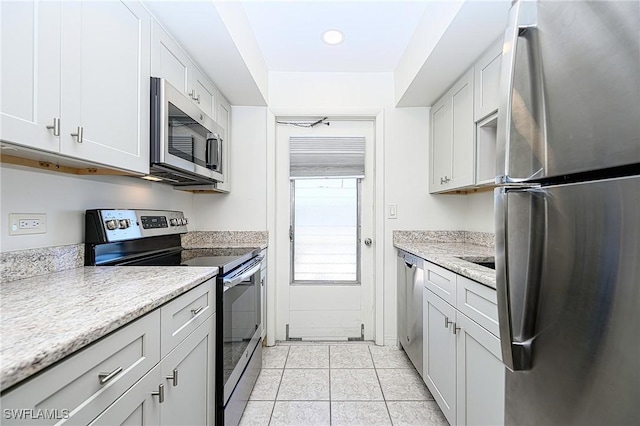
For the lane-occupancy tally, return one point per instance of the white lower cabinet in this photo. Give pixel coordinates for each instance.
(480, 375)
(462, 360)
(188, 376)
(122, 379)
(137, 406)
(439, 352)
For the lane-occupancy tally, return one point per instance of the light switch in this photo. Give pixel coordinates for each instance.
(392, 211)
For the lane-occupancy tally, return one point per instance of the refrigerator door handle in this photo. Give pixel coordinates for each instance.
(522, 17)
(517, 302)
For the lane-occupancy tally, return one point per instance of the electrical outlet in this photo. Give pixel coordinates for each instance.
(27, 223)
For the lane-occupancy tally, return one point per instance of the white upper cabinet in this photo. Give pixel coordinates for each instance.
(105, 83)
(170, 62)
(224, 121)
(30, 74)
(487, 81)
(204, 93)
(453, 138)
(75, 78)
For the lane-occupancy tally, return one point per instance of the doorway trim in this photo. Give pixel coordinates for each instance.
(275, 325)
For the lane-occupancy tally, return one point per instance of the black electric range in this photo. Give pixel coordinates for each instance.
(116, 237)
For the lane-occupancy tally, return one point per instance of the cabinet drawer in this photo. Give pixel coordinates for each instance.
(479, 303)
(183, 315)
(73, 388)
(440, 281)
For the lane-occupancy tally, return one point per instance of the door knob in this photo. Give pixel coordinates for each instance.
(367, 241)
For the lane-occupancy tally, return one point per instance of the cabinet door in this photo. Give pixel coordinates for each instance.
(463, 133)
(205, 93)
(136, 407)
(168, 60)
(439, 351)
(223, 119)
(480, 375)
(189, 379)
(487, 81)
(105, 83)
(440, 145)
(30, 73)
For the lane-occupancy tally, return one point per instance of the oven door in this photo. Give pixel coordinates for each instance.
(241, 326)
(183, 137)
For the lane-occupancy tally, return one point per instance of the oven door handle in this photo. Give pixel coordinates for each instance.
(235, 280)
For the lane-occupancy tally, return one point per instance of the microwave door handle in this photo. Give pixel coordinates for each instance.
(219, 159)
(208, 150)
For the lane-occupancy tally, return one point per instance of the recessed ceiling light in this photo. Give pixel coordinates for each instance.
(333, 37)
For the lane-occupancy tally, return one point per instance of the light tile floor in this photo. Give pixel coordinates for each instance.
(339, 384)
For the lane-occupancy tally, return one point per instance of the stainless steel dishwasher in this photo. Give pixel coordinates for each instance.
(410, 288)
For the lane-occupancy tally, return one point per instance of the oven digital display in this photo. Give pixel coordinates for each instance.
(149, 222)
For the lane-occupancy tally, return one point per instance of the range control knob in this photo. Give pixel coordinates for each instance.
(186, 221)
(181, 221)
(111, 224)
(173, 222)
(124, 223)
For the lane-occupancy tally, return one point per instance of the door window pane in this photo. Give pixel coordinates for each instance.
(325, 243)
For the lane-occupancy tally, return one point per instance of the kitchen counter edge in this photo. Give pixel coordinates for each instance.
(446, 255)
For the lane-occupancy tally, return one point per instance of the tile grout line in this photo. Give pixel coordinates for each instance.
(330, 402)
(381, 390)
(279, 383)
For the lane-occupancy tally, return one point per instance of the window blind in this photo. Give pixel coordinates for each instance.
(328, 156)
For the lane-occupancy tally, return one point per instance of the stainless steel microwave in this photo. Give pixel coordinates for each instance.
(186, 143)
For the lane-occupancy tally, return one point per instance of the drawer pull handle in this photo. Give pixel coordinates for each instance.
(174, 377)
(196, 311)
(105, 377)
(159, 394)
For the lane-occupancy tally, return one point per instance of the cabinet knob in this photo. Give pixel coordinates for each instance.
(55, 127)
(78, 134)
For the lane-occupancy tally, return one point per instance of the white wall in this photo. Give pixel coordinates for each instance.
(480, 212)
(65, 197)
(245, 207)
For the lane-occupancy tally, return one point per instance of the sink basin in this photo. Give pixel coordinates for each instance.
(490, 265)
(487, 262)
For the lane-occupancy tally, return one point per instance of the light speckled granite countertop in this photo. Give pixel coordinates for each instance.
(48, 317)
(446, 254)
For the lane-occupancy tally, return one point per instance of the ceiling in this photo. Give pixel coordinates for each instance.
(238, 43)
(376, 33)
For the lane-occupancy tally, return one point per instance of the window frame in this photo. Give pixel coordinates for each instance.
(292, 223)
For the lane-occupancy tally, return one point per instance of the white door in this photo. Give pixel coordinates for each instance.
(329, 293)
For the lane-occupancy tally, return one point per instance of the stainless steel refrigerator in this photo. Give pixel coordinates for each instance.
(568, 213)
